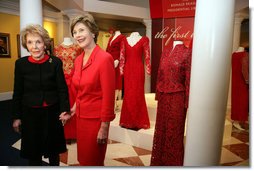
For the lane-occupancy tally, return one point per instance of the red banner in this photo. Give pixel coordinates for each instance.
(172, 8)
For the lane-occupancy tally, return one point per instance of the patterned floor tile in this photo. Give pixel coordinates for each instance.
(132, 161)
(241, 150)
(229, 157)
(245, 163)
(146, 159)
(120, 150)
(241, 135)
(112, 162)
(112, 141)
(232, 140)
(230, 164)
(141, 151)
(235, 152)
(17, 144)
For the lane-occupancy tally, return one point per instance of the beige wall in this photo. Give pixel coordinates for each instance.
(11, 24)
(103, 39)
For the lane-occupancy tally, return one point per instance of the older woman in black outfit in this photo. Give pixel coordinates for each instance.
(40, 99)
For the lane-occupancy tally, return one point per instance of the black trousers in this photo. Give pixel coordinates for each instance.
(54, 160)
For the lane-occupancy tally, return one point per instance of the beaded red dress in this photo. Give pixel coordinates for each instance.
(114, 48)
(172, 94)
(240, 87)
(134, 113)
(68, 53)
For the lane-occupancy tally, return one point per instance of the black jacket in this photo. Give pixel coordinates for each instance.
(38, 83)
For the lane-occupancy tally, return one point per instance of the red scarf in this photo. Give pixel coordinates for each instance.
(31, 59)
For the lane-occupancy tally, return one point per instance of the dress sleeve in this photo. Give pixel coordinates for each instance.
(107, 82)
(17, 91)
(157, 92)
(147, 56)
(62, 87)
(187, 76)
(122, 57)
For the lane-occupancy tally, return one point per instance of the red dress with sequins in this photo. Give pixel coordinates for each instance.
(172, 91)
(134, 113)
(114, 47)
(68, 53)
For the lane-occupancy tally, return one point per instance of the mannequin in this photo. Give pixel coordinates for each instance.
(134, 62)
(114, 47)
(172, 93)
(177, 42)
(67, 41)
(67, 51)
(240, 49)
(116, 34)
(133, 38)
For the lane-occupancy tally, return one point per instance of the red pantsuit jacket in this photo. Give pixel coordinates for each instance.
(95, 85)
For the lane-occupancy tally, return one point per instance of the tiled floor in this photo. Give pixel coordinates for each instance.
(235, 149)
(235, 152)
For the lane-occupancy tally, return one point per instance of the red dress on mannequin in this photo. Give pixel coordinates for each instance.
(134, 113)
(240, 89)
(114, 48)
(68, 53)
(172, 94)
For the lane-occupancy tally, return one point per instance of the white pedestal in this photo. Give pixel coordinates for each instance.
(144, 138)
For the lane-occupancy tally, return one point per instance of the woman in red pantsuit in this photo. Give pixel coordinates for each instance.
(172, 95)
(94, 80)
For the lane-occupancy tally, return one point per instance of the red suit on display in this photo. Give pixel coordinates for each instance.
(68, 53)
(134, 113)
(240, 87)
(114, 47)
(172, 94)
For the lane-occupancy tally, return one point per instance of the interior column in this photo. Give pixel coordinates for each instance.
(30, 13)
(212, 47)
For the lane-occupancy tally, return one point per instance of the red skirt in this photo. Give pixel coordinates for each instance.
(90, 153)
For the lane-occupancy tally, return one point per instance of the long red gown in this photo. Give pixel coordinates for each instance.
(68, 54)
(114, 48)
(172, 90)
(240, 89)
(134, 113)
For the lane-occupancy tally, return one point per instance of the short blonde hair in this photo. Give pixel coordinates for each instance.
(89, 22)
(35, 29)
